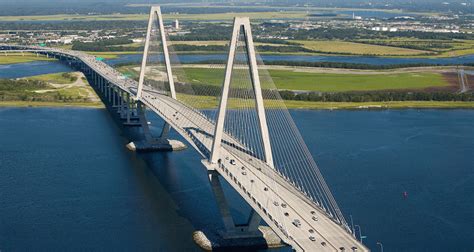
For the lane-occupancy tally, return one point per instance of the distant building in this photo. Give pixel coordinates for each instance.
(176, 24)
(66, 41)
(404, 18)
(354, 17)
(385, 29)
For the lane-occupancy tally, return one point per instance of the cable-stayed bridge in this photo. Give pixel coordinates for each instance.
(242, 130)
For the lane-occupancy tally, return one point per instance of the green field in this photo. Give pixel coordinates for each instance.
(56, 78)
(344, 47)
(207, 102)
(394, 47)
(321, 82)
(16, 58)
(437, 48)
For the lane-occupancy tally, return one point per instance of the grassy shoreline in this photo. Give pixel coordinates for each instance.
(11, 59)
(379, 105)
(289, 104)
(22, 104)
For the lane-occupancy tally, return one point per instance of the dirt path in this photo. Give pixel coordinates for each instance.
(80, 83)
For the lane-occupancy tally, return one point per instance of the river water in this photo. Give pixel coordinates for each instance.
(196, 58)
(35, 68)
(68, 183)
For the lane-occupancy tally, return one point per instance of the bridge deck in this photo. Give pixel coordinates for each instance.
(262, 200)
(276, 200)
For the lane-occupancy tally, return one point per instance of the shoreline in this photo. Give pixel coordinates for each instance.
(26, 104)
(116, 54)
(293, 105)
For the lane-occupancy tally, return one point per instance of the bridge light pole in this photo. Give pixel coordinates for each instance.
(381, 246)
(360, 233)
(352, 225)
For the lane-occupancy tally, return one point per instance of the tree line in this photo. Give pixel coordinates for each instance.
(344, 65)
(102, 45)
(374, 96)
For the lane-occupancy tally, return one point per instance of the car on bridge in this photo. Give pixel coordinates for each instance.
(297, 223)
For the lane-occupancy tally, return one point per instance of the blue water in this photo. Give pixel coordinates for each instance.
(196, 58)
(21, 70)
(43, 67)
(68, 183)
(375, 14)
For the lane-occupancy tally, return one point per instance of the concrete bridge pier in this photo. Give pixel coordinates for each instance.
(248, 235)
(115, 98)
(109, 92)
(129, 115)
(151, 143)
(124, 106)
(250, 229)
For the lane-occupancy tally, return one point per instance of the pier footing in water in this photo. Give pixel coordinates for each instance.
(216, 242)
(158, 145)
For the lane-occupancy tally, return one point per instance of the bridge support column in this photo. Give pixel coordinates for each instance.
(249, 235)
(102, 85)
(97, 84)
(106, 88)
(109, 92)
(232, 231)
(114, 97)
(150, 143)
(221, 201)
(127, 109)
(123, 106)
(128, 112)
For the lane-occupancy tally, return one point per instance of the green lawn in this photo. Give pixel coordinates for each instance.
(290, 80)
